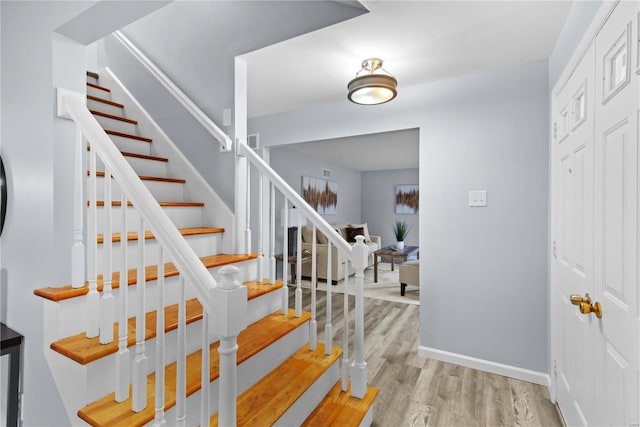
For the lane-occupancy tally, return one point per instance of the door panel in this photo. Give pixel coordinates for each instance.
(572, 269)
(616, 218)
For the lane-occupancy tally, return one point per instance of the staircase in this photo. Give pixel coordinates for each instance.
(150, 349)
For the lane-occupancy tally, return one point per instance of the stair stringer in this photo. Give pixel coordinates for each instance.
(80, 384)
(215, 212)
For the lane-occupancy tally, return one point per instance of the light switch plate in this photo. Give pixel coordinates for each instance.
(226, 117)
(478, 198)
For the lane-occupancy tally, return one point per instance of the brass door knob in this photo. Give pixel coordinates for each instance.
(585, 306)
(591, 308)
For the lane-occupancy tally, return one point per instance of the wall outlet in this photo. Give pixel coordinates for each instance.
(478, 198)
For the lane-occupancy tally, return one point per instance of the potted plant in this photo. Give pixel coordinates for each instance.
(401, 229)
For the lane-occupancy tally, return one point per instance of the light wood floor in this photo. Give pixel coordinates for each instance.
(416, 391)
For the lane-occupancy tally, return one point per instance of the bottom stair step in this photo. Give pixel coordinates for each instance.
(339, 408)
(269, 399)
(251, 341)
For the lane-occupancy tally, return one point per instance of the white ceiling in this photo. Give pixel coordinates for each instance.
(380, 151)
(419, 41)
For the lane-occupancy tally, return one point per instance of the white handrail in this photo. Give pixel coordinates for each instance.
(308, 212)
(71, 105)
(224, 140)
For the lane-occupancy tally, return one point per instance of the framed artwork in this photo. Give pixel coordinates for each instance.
(407, 196)
(321, 194)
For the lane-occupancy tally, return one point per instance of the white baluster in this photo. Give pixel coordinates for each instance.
(345, 328)
(122, 358)
(359, 366)
(272, 234)
(285, 258)
(205, 379)
(160, 354)
(78, 249)
(328, 327)
(228, 318)
(181, 360)
(299, 267)
(247, 233)
(139, 401)
(93, 298)
(313, 327)
(260, 228)
(107, 302)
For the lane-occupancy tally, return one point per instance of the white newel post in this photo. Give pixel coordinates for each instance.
(359, 366)
(228, 304)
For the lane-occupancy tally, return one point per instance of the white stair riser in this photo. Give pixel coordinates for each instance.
(143, 167)
(98, 92)
(249, 372)
(113, 124)
(302, 408)
(69, 317)
(101, 379)
(204, 244)
(172, 191)
(93, 80)
(104, 107)
(131, 145)
(182, 217)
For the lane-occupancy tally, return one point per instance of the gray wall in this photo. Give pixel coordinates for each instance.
(37, 151)
(378, 203)
(575, 26)
(486, 131)
(292, 165)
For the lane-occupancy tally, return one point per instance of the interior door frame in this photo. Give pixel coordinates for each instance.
(594, 28)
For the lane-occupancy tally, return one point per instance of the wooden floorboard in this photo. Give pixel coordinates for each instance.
(417, 391)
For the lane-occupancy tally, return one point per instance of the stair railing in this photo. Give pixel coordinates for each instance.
(101, 307)
(355, 257)
(196, 112)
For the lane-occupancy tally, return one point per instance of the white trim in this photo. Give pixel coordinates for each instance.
(486, 366)
(191, 107)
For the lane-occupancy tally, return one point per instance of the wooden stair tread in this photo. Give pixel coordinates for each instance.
(193, 231)
(259, 335)
(144, 156)
(113, 116)
(127, 135)
(341, 409)
(269, 398)
(105, 101)
(149, 178)
(93, 74)
(151, 273)
(95, 86)
(86, 350)
(163, 204)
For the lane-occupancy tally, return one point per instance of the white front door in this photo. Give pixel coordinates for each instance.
(595, 183)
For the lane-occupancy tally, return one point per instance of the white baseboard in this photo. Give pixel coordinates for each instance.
(487, 366)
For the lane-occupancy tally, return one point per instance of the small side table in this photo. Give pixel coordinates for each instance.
(12, 345)
(293, 261)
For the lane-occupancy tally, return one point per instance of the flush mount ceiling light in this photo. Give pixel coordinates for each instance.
(372, 85)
